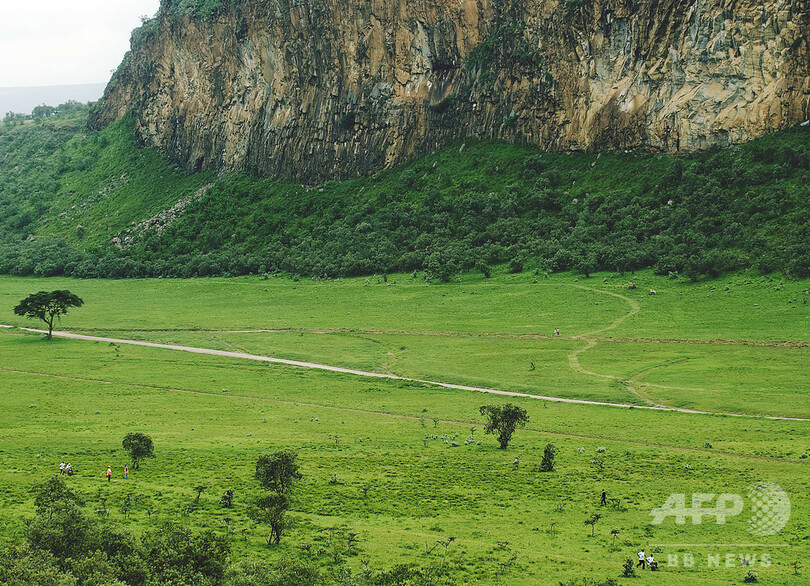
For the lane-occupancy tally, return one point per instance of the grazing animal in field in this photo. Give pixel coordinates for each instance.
(653, 292)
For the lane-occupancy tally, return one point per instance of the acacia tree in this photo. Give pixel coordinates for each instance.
(504, 419)
(139, 446)
(278, 470)
(47, 306)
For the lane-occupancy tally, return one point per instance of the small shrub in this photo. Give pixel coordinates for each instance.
(445, 106)
(482, 267)
(408, 178)
(593, 521)
(628, 568)
(346, 121)
(547, 464)
(751, 577)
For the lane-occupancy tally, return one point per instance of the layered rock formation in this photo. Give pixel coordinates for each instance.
(320, 89)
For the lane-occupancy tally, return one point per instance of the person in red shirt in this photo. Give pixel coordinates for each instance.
(126, 471)
(109, 473)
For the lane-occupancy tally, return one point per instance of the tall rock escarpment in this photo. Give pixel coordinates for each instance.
(319, 89)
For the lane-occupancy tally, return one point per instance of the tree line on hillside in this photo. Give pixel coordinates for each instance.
(43, 111)
(32, 163)
(705, 214)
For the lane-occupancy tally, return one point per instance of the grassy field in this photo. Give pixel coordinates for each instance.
(378, 456)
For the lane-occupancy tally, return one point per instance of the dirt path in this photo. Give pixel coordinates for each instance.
(313, 365)
(634, 383)
(634, 309)
(573, 357)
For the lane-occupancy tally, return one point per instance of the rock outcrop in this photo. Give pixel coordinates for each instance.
(320, 89)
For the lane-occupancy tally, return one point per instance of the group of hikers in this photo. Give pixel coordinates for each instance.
(647, 561)
(109, 473)
(68, 469)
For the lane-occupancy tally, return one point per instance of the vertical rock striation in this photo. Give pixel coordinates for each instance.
(320, 89)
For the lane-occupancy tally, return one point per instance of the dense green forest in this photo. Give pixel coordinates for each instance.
(96, 204)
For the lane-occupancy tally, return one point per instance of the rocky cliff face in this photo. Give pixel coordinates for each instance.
(319, 89)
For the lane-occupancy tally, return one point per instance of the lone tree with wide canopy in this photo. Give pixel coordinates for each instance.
(47, 306)
(277, 471)
(503, 420)
(139, 446)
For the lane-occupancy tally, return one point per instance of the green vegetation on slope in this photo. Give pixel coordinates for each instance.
(108, 209)
(31, 165)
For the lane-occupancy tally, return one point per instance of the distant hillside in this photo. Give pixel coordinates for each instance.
(94, 203)
(23, 100)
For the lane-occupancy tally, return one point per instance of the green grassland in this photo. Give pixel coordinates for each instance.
(377, 455)
(495, 332)
(739, 306)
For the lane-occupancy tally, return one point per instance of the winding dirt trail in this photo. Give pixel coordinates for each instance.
(634, 309)
(573, 357)
(313, 365)
(633, 383)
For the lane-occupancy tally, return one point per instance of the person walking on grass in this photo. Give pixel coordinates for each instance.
(642, 560)
(109, 474)
(651, 563)
(126, 471)
(61, 469)
(603, 500)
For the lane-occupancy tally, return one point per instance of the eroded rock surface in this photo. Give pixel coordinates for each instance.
(320, 89)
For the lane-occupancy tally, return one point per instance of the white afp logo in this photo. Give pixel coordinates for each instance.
(770, 508)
